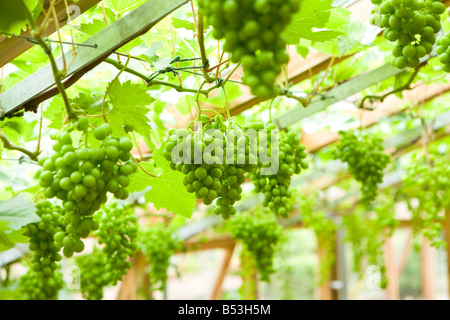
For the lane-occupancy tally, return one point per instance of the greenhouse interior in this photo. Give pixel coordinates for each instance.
(259, 150)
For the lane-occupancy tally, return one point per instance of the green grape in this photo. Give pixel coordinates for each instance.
(412, 24)
(213, 162)
(43, 280)
(158, 243)
(117, 233)
(252, 32)
(427, 180)
(366, 161)
(275, 186)
(261, 235)
(81, 177)
(443, 51)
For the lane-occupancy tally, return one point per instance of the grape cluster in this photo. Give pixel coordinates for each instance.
(82, 176)
(117, 232)
(158, 243)
(214, 160)
(443, 51)
(43, 280)
(366, 160)
(93, 277)
(260, 234)
(428, 181)
(252, 33)
(290, 159)
(412, 24)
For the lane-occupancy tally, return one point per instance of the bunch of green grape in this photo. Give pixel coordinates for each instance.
(289, 157)
(260, 234)
(443, 51)
(428, 181)
(158, 243)
(93, 276)
(411, 24)
(81, 176)
(117, 233)
(252, 32)
(43, 280)
(366, 160)
(214, 160)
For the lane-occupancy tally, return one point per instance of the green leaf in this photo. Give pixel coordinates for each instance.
(9, 238)
(18, 212)
(311, 16)
(14, 15)
(167, 190)
(55, 113)
(129, 102)
(179, 23)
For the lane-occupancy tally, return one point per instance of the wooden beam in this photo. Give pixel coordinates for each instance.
(391, 106)
(115, 35)
(392, 290)
(428, 270)
(12, 47)
(446, 225)
(217, 290)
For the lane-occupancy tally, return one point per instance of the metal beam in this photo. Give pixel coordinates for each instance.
(137, 22)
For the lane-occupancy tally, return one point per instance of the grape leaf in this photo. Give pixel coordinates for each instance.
(167, 190)
(18, 212)
(8, 237)
(179, 23)
(129, 103)
(55, 113)
(311, 16)
(14, 15)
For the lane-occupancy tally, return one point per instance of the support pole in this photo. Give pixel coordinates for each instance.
(428, 261)
(217, 290)
(393, 292)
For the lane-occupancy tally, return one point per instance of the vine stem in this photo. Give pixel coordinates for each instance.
(145, 171)
(152, 82)
(110, 85)
(201, 43)
(406, 86)
(8, 145)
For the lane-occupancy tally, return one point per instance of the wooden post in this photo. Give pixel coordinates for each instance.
(393, 292)
(217, 290)
(326, 291)
(136, 283)
(446, 225)
(428, 260)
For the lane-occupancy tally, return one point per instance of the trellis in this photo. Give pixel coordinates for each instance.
(41, 86)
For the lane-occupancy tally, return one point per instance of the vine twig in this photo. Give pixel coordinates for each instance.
(8, 145)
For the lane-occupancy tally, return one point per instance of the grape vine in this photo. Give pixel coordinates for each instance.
(260, 234)
(251, 30)
(82, 176)
(411, 24)
(366, 160)
(158, 243)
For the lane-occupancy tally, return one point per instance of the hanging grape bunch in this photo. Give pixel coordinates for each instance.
(366, 160)
(290, 158)
(252, 33)
(81, 176)
(214, 160)
(443, 51)
(158, 243)
(411, 24)
(260, 234)
(117, 232)
(429, 183)
(43, 280)
(92, 274)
